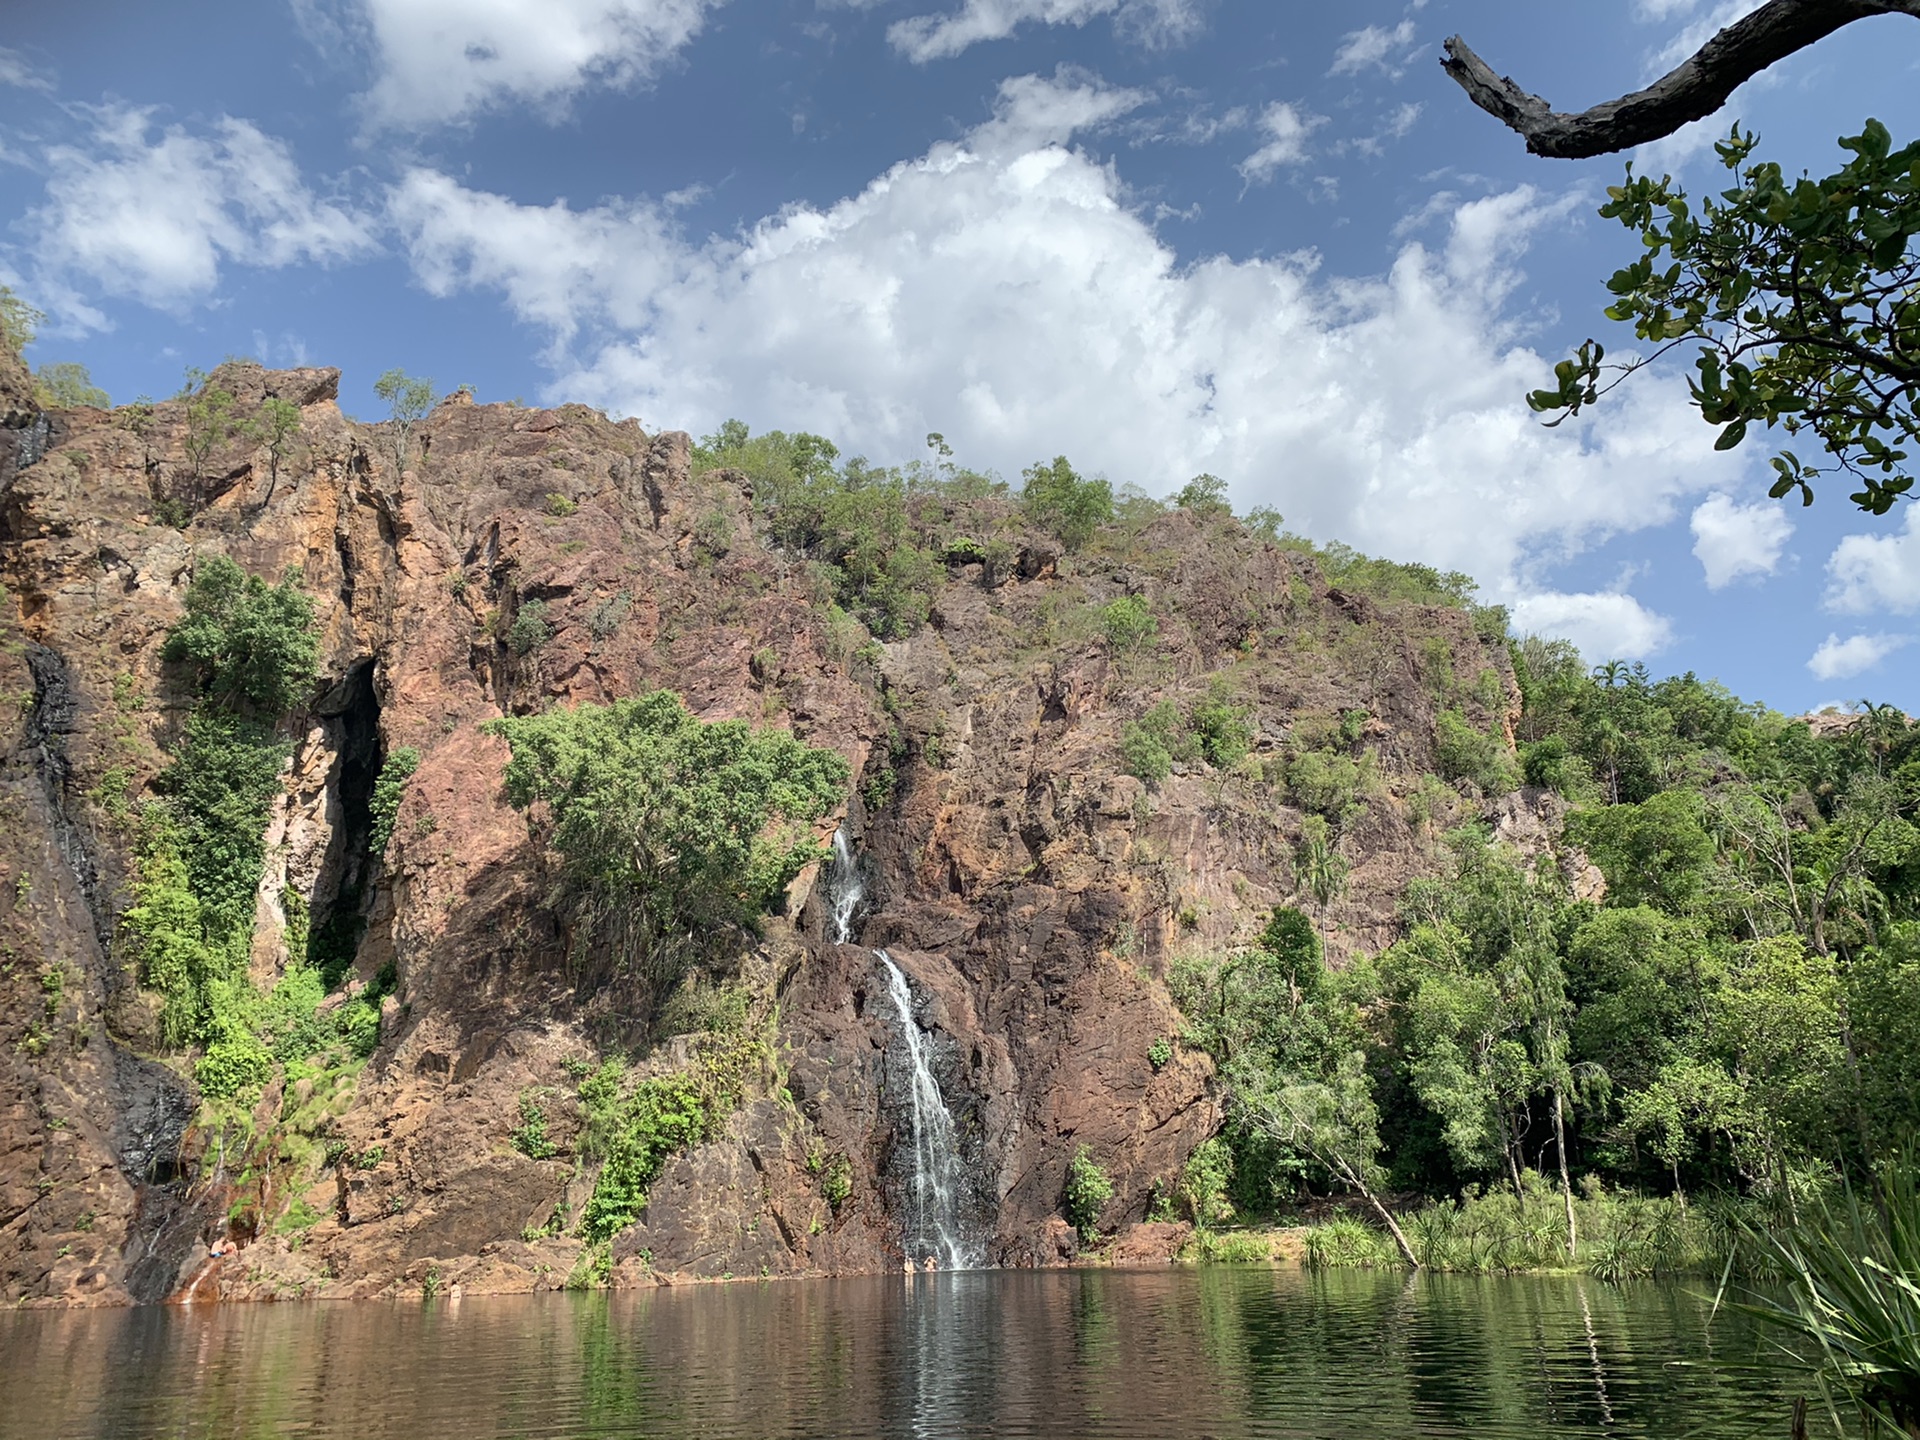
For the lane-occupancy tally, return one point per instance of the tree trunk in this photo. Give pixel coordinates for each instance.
(1566, 1182)
(1393, 1228)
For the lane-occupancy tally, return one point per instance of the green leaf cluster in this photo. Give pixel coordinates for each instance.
(881, 535)
(250, 644)
(1088, 1189)
(389, 789)
(641, 1130)
(674, 834)
(1803, 297)
(1058, 498)
(66, 385)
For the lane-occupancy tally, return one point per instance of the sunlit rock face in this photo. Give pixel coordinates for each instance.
(1032, 894)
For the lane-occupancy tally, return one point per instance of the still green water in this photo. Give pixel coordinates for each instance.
(1135, 1355)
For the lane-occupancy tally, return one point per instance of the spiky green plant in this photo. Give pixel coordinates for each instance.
(1848, 1315)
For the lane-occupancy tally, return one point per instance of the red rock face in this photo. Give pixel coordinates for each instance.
(1034, 895)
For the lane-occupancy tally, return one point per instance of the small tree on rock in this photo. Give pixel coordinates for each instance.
(408, 400)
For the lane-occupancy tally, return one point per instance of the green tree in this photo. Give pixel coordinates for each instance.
(1088, 1189)
(674, 834)
(1658, 853)
(1057, 498)
(1206, 496)
(276, 428)
(210, 422)
(1327, 1114)
(408, 398)
(249, 643)
(1129, 622)
(66, 385)
(19, 321)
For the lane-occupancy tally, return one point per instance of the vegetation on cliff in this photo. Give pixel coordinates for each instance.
(247, 652)
(675, 834)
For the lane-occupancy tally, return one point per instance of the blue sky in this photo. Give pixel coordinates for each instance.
(1269, 241)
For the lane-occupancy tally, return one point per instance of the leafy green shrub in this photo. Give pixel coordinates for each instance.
(1206, 496)
(388, 791)
(65, 385)
(249, 643)
(559, 505)
(1203, 1184)
(1223, 730)
(1289, 937)
(1160, 1053)
(233, 1063)
(964, 551)
(609, 615)
(675, 834)
(836, 1181)
(1129, 621)
(19, 321)
(664, 1115)
(1058, 499)
(167, 935)
(1087, 1193)
(1150, 745)
(1464, 753)
(529, 1137)
(220, 787)
(530, 629)
(858, 522)
(1550, 763)
(713, 534)
(1328, 782)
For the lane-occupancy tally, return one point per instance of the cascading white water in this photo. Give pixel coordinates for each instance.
(933, 1225)
(845, 888)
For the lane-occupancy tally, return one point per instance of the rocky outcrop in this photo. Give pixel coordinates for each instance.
(1035, 896)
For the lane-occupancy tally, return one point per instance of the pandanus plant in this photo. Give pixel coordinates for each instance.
(1847, 1314)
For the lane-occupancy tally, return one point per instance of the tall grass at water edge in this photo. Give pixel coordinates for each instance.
(1621, 1236)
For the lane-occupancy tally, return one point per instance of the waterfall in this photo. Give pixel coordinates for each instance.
(845, 888)
(933, 1227)
(933, 1222)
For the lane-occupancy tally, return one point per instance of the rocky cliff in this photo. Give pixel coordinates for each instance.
(1034, 892)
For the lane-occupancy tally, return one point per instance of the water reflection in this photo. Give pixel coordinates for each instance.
(1128, 1355)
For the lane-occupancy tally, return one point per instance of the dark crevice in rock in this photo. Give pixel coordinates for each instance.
(350, 713)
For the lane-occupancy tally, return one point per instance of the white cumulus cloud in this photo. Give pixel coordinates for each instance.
(1732, 540)
(1606, 625)
(1286, 128)
(440, 61)
(1838, 659)
(938, 37)
(1002, 289)
(152, 214)
(1869, 574)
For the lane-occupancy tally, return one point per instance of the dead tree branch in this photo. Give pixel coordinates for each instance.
(1696, 88)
